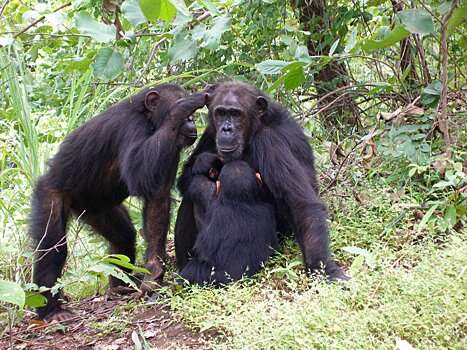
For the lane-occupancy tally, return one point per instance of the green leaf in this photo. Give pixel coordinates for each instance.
(442, 184)
(457, 17)
(430, 95)
(168, 11)
(181, 7)
(333, 47)
(183, 47)
(98, 31)
(416, 21)
(12, 293)
(212, 37)
(209, 6)
(34, 299)
(294, 78)
(151, 9)
(426, 217)
(352, 41)
(132, 12)
(271, 66)
(450, 216)
(369, 257)
(302, 54)
(108, 64)
(393, 37)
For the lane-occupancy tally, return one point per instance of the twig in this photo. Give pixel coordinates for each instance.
(443, 116)
(3, 7)
(40, 19)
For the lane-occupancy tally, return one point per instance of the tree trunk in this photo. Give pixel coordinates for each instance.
(332, 76)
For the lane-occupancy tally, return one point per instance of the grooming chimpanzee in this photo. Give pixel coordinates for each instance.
(132, 148)
(238, 233)
(245, 124)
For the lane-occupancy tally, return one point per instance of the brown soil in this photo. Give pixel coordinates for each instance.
(105, 324)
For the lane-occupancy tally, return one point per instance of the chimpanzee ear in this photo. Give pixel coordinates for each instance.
(262, 105)
(151, 101)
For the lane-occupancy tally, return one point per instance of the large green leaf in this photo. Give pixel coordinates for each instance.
(394, 36)
(132, 12)
(183, 47)
(108, 64)
(151, 9)
(294, 78)
(11, 292)
(98, 31)
(430, 95)
(212, 37)
(168, 11)
(457, 17)
(416, 21)
(271, 66)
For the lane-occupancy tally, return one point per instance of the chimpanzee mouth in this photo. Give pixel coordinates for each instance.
(191, 136)
(227, 149)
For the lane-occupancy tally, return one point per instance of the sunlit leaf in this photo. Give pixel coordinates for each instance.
(393, 37)
(168, 11)
(457, 17)
(212, 37)
(183, 47)
(151, 9)
(98, 31)
(294, 78)
(271, 66)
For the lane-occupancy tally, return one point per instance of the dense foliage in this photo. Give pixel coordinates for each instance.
(379, 87)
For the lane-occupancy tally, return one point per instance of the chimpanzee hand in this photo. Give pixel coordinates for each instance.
(186, 106)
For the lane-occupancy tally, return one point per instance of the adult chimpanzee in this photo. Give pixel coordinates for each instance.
(245, 124)
(132, 148)
(238, 233)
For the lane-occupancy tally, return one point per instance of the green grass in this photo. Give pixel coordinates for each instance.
(417, 294)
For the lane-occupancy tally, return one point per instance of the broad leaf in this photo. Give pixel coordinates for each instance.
(108, 64)
(394, 36)
(271, 66)
(416, 21)
(34, 299)
(369, 257)
(183, 47)
(210, 6)
(212, 37)
(151, 9)
(430, 95)
(168, 11)
(98, 31)
(294, 78)
(12, 293)
(457, 17)
(132, 12)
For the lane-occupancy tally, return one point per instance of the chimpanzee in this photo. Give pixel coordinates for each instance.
(244, 124)
(238, 233)
(132, 148)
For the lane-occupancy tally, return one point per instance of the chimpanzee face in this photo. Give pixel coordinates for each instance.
(188, 132)
(232, 114)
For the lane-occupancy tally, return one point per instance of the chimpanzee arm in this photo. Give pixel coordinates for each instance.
(150, 163)
(276, 157)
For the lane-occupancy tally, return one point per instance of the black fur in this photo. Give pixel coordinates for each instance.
(274, 145)
(238, 231)
(132, 148)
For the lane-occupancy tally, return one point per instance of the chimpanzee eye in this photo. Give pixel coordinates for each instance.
(221, 112)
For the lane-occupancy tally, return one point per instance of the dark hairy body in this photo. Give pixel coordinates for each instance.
(244, 124)
(132, 148)
(237, 228)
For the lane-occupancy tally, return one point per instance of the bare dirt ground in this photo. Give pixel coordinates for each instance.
(103, 323)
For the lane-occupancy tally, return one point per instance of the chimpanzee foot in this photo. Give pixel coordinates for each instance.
(335, 272)
(59, 315)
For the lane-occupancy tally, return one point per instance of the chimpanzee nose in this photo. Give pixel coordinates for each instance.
(226, 128)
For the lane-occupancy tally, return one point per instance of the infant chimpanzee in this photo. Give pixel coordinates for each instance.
(237, 227)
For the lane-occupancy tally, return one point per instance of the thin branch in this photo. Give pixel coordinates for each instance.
(3, 7)
(443, 115)
(40, 19)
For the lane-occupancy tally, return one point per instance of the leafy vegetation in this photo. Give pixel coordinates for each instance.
(378, 86)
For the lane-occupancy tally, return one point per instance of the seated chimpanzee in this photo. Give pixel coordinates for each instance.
(238, 228)
(245, 124)
(132, 148)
